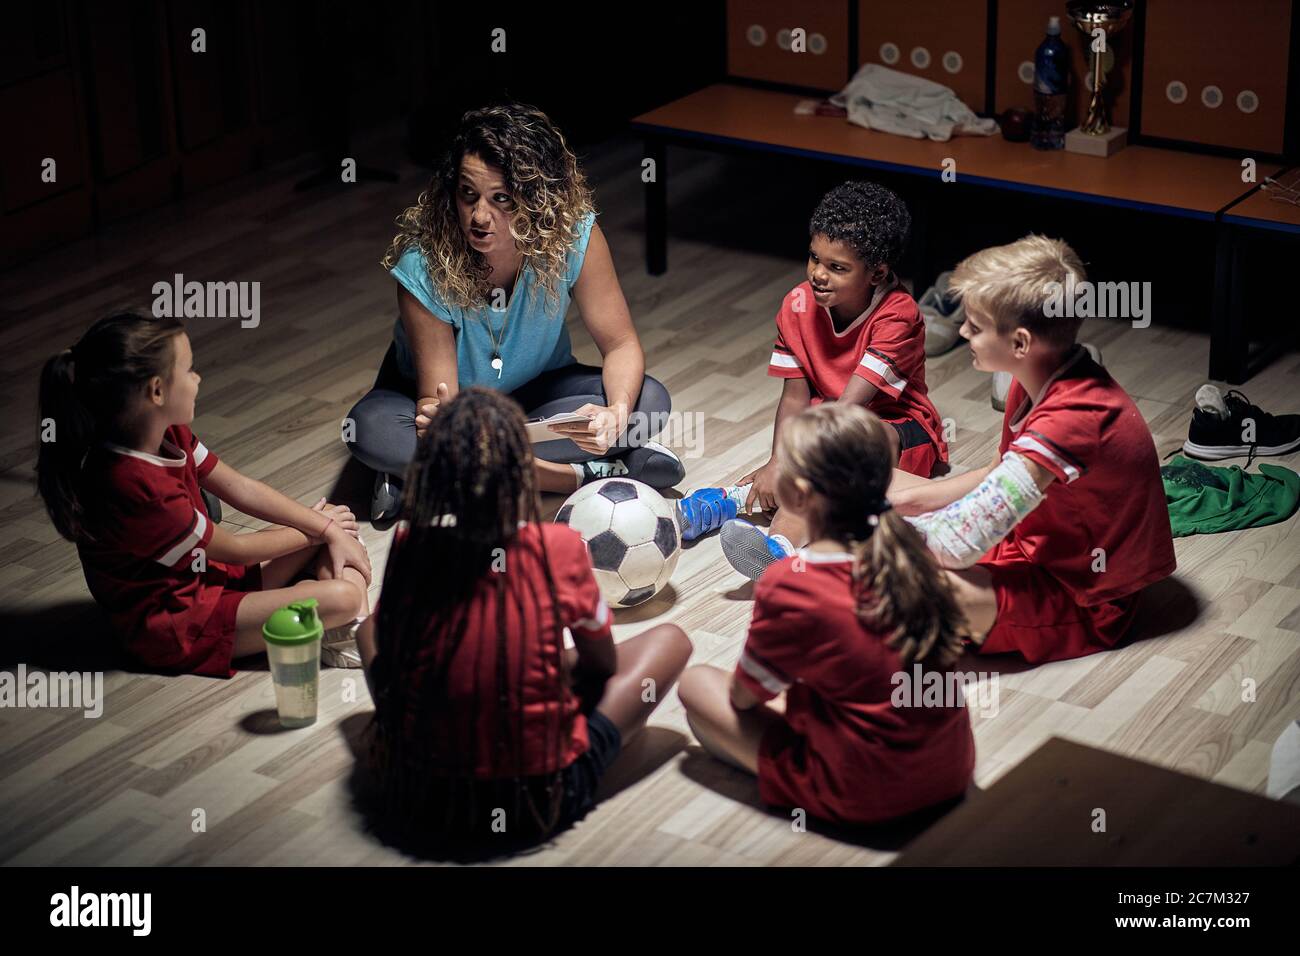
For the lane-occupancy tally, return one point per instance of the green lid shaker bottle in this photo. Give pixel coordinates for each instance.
(293, 636)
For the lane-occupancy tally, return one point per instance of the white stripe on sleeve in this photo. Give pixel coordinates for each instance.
(782, 360)
(188, 542)
(883, 369)
(766, 679)
(1029, 443)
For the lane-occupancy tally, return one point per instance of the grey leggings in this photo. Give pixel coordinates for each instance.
(385, 416)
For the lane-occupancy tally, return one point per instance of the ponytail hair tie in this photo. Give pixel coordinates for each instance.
(873, 516)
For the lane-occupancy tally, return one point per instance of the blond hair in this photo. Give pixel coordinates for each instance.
(550, 199)
(844, 455)
(1011, 284)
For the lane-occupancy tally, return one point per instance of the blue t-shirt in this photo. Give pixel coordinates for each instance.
(534, 338)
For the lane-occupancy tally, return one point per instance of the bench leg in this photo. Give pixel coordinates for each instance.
(656, 209)
(1229, 337)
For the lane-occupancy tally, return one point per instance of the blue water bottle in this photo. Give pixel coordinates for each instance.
(1051, 84)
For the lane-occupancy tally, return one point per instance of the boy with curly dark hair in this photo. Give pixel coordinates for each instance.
(850, 333)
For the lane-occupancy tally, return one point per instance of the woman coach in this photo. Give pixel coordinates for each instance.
(487, 261)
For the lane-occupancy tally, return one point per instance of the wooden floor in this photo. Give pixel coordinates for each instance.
(125, 788)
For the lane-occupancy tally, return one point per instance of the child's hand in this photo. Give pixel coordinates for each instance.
(426, 408)
(762, 492)
(345, 551)
(342, 515)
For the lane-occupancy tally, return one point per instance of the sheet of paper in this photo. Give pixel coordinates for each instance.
(540, 431)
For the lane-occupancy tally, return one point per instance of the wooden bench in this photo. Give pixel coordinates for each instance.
(1258, 216)
(1146, 179)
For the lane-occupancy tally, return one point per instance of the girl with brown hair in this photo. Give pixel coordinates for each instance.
(844, 629)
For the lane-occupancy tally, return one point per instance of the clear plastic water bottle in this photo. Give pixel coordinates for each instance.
(1051, 84)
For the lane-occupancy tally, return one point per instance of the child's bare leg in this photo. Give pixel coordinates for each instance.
(367, 646)
(657, 655)
(282, 571)
(973, 588)
(324, 571)
(733, 736)
(791, 525)
(339, 602)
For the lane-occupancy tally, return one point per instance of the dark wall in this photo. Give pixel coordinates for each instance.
(590, 67)
(134, 117)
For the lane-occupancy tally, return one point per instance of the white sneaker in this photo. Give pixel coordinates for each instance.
(338, 645)
(749, 550)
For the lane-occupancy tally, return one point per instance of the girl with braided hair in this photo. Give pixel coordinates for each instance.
(843, 628)
(489, 735)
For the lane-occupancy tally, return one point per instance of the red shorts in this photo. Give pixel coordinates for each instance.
(919, 459)
(918, 453)
(180, 643)
(1040, 620)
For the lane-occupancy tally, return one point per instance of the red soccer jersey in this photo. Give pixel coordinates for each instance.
(521, 737)
(884, 345)
(1102, 529)
(147, 517)
(849, 754)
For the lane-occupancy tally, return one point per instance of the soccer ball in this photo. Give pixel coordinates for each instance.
(631, 534)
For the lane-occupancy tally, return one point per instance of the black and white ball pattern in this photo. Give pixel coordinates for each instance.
(631, 534)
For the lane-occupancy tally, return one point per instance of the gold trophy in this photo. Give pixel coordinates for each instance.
(1098, 20)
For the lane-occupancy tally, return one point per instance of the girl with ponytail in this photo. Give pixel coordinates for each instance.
(122, 477)
(845, 628)
(490, 736)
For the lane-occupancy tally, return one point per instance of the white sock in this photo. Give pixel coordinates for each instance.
(738, 494)
(580, 472)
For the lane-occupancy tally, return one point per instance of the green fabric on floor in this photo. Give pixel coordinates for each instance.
(1206, 500)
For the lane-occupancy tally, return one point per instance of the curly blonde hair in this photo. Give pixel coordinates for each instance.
(549, 193)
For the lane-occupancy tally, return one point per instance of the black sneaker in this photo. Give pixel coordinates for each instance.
(385, 499)
(1240, 428)
(651, 464)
